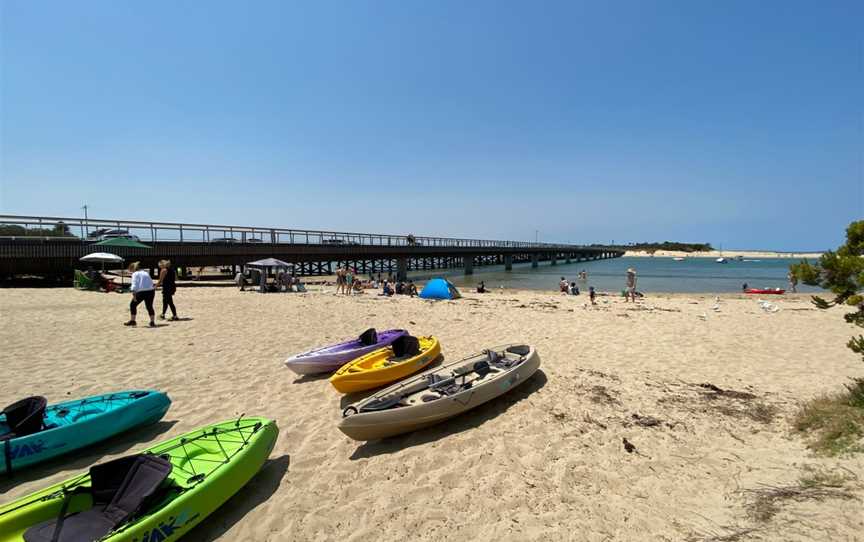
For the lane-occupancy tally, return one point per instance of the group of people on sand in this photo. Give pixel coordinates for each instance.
(349, 283)
(570, 288)
(399, 287)
(144, 290)
(283, 282)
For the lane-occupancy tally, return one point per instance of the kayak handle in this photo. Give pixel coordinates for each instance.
(345, 413)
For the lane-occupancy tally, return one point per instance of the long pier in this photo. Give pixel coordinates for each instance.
(52, 246)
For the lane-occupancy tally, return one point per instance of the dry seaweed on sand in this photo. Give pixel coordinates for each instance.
(732, 534)
(765, 502)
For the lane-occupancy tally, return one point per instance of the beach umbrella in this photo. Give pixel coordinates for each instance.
(102, 257)
(124, 242)
(270, 262)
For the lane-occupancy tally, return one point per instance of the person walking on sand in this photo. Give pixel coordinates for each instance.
(793, 282)
(592, 294)
(168, 282)
(142, 290)
(630, 294)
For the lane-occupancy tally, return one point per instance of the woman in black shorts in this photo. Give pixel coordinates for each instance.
(168, 282)
(142, 290)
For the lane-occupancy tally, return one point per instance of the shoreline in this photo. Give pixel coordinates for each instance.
(749, 254)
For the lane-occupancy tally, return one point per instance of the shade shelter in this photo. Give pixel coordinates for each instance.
(265, 266)
(124, 242)
(440, 288)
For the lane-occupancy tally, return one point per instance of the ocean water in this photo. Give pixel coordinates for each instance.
(697, 275)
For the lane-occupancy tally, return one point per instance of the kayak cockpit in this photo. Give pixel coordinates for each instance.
(435, 385)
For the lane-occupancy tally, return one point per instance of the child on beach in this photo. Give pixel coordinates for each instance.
(592, 294)
(630, 293)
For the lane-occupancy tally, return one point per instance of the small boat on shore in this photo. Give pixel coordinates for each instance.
(765, 291)
(440, 393)
(330, 358)
(405, 356)
(31, 431)
(158, 494)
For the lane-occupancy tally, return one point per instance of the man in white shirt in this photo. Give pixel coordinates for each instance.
(144, 290)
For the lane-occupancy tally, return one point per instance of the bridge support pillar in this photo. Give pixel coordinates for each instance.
(535, 259)
(568, 259)
(554, 258)
(508, 262)
(402, 269)
(468, 264)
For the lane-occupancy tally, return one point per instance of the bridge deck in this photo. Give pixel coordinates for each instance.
(196, 245)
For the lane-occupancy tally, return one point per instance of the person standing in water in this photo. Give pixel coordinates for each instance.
(142, 290)
(168, 282)
(630, 293)
(793, 281)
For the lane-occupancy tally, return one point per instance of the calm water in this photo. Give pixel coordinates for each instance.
(655, 275)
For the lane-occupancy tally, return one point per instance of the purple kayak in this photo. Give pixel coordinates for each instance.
(329, 358)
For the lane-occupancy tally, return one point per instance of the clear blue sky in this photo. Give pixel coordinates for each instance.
(734, 122)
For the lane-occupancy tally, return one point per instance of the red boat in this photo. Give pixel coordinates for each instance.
(764, 291)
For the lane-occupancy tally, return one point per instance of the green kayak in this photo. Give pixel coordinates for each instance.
(154, 496)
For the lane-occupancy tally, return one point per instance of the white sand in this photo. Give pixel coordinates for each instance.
(545, 462)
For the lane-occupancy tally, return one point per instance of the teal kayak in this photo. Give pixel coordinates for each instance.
(31, 433)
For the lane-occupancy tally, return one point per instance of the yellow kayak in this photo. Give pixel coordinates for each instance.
(405, 356)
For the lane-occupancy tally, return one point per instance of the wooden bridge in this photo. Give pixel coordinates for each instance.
(52, 246)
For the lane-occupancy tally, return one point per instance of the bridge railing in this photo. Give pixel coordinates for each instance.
(78, 229)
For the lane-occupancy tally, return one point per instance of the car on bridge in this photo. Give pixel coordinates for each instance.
(339, 242)
(103, 234)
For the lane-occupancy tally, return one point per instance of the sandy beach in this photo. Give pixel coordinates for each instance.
(545, 462)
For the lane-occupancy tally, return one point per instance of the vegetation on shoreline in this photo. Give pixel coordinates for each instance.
(59, 230)
(665, 245)
(836, 421)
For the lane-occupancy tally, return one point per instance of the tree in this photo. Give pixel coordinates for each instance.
(841, 273)
(836, 420)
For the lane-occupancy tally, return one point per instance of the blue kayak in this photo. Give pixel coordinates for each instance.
(31, 432)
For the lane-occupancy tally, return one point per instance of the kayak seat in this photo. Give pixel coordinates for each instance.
(369, 337)
(119, 488)
(25, 417)
(406, 345)
(519, 350)
(482, 368)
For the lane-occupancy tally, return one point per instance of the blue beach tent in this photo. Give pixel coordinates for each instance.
(440, 289)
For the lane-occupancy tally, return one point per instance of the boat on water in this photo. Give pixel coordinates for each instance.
(678, 259)
(721, 259)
